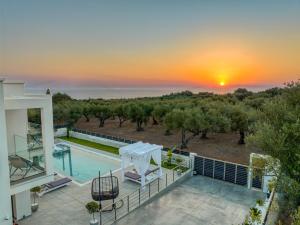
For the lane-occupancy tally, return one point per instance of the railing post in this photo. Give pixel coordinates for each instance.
(235, 175)
(166, 179)
(157, 185)
(149, 189)
(115, 208)
(128, 203)
(173, 174)
(139, 196)
(100, 216)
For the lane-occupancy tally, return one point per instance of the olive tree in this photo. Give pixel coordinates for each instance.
(277, 133)
(102, 113)
(122, 112)
(138, 115)
(72, 113)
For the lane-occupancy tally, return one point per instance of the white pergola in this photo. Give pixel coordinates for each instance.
(140, 154)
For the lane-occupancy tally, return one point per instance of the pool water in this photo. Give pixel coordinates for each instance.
(83, 166)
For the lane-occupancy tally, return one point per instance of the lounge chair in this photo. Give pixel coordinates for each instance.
(19, 163)
(51, 186)
(135, 177)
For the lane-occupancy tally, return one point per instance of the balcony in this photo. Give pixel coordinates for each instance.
(28, 159)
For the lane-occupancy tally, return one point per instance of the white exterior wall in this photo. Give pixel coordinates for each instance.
(48, 135)
(22, 206)
(14, 121)
(13, 88)
(99, 140)
(5, 200)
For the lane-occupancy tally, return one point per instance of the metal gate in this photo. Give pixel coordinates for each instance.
(221, 170)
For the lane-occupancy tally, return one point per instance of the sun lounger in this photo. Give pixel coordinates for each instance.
(135, 177)
(19, 163)
(51, 186)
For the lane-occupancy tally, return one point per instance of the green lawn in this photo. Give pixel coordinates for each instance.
(92, 144)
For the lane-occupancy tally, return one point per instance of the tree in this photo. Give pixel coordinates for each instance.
(122, 112)
(277, 133)
(138, 115)
(58, 113)
(159, 112)
(102, 113)
(186, 121)
(72, 114)
(60, 98)
(242, 93)
(86, 111)
(239, 121)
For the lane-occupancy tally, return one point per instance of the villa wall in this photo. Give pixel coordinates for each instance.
(99, 140)
(5, 203)
(63, 132)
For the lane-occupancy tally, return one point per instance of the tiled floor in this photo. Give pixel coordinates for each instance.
(198, 201)
(67, 205)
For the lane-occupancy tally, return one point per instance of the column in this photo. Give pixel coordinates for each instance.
(5, 203)
(48, 134)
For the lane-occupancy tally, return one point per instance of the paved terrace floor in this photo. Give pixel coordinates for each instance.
(67, 205)
(199, 200)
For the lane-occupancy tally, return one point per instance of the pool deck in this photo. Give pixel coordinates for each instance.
(198, 201)
(67, 205)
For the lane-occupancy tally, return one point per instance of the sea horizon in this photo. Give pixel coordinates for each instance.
(137, 92)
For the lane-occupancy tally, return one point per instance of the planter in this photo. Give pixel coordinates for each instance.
(34, 207)
(94, 222)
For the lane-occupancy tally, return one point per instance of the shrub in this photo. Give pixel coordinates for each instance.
(296, 217)
(92, 207)
(169, 155)
(255, 215)
(260, 202)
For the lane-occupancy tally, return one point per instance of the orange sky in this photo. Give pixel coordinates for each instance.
(149, 45)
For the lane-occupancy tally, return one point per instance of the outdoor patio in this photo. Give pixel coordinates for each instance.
(198, 201)
(67, 205)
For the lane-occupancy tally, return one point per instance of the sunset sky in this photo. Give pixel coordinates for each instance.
(151, 43)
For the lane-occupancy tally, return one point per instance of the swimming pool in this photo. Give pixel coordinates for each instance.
(83, 165)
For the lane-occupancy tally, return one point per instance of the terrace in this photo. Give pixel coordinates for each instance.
(67, 205)
(173, 199)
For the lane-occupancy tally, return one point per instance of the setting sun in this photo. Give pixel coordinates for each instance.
(222, 83)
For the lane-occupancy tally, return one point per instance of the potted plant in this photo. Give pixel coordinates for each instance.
(35, 204)
(255, 215)
(92, 207)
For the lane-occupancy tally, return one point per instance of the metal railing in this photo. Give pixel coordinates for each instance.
(227, 171)
(125, 204)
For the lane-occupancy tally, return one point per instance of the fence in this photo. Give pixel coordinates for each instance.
(128, 203)
(226, 171)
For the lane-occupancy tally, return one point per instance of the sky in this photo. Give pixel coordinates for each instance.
(129, 43)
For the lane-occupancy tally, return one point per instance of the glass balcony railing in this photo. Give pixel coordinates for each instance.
(28, 159)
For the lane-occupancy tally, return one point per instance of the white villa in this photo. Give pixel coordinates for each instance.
(25, 148)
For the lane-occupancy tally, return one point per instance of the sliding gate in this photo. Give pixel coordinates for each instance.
(221, 170)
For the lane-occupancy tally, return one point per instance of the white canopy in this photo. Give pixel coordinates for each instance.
(140, 155)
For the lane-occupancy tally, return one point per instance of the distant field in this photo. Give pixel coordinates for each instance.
(220, 146)
(92, 144)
